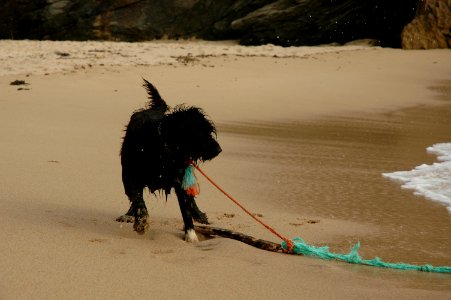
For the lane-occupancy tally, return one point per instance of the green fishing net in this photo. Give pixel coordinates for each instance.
(301, 247)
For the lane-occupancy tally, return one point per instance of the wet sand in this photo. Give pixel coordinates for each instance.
(303, 146)
(332, 168)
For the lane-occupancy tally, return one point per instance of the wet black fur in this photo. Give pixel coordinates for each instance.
(158, 144)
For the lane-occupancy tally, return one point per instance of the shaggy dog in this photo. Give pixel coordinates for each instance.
(158, 146)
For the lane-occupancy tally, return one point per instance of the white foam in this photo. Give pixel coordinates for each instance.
(431, 181)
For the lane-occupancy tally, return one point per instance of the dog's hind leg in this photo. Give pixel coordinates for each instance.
(197, 214)
(138, 210)
(185, 209)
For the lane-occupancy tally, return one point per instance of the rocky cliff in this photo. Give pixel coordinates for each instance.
(431, 26)
(281, 22)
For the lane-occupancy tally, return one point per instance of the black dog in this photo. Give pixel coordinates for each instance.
(158, 146)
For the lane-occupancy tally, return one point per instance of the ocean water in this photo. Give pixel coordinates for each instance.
(431, 181)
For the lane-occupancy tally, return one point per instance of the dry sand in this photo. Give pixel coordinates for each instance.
(306, 136)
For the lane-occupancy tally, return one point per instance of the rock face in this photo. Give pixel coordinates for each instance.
(288, 22)
(431, 26)
(281, 22)
(126, 20)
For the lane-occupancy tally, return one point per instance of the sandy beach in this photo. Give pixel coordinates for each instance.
(306, 134)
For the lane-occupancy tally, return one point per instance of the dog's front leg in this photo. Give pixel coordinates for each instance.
(185, 209)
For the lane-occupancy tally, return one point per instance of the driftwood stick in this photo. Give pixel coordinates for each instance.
(258, 243)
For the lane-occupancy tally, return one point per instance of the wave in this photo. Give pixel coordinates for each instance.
(431, 181)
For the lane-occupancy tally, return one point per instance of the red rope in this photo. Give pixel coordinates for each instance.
(290, 244)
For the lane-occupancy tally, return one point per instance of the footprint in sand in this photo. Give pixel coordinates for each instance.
(303, 222)
(225, 215)
(97, 240)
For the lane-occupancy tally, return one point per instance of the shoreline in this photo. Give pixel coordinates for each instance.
(312, 170)
(335, 162)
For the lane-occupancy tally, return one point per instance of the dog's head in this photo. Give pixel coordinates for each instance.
(189, 135)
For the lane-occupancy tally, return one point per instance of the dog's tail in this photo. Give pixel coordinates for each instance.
(155, 100)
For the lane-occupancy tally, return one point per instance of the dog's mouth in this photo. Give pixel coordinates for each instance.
(205, 157)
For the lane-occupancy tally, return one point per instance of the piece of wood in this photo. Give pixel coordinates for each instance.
(258, 243)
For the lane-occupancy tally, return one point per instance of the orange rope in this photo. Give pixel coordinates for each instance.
(290, 244)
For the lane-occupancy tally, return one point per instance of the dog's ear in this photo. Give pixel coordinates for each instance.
(155, 100)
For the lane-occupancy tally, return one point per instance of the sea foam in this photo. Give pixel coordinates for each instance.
(431, 181)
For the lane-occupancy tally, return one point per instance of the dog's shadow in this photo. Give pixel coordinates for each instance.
(37, 214)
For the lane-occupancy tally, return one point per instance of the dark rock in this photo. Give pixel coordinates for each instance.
(431, 26)
(312, 22)
(281, 22)
(20, 19)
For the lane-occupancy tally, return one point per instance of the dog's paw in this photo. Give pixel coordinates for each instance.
(141, 225)
(125, 219)
(190, 236)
